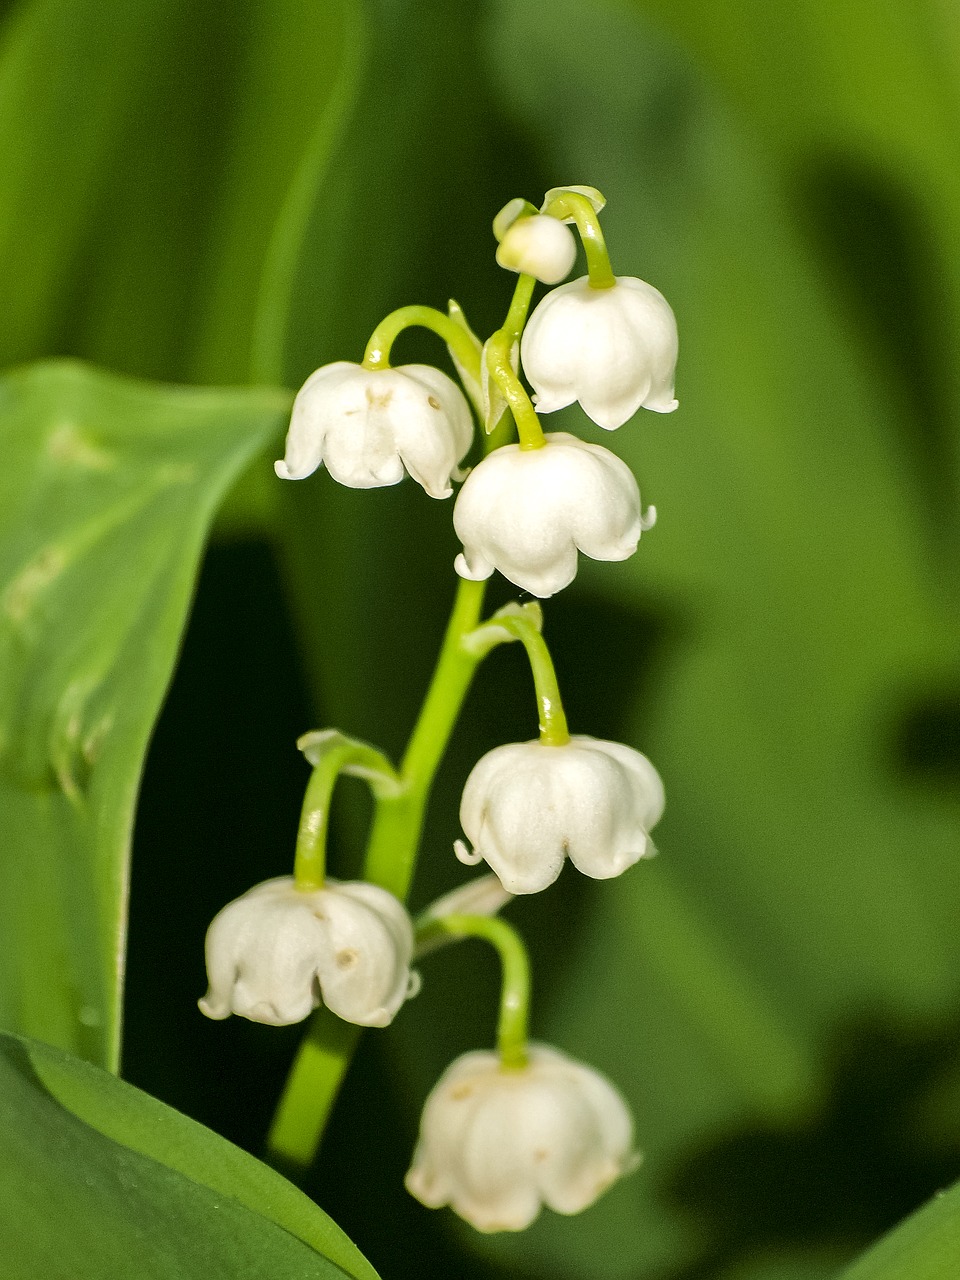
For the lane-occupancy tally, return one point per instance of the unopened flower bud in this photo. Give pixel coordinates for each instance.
(538, 246)
(368, 425)
(528, 806)
(614, 350)
(495, 1144)
(276, 952)
(527, 512)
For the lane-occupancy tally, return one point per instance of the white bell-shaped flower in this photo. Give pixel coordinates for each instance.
(538, 246)
(276, 952)
(527, 512)
(614, 350)
(495, 1144)
(528, 806)
(368, 425)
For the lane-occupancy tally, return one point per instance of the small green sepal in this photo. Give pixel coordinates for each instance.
(596, 198)
(358, 759)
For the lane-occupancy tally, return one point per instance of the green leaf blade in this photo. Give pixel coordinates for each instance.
(924, 1247)
(98, 1179)
(107, 494)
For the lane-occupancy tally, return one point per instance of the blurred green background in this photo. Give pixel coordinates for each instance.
(233, 195)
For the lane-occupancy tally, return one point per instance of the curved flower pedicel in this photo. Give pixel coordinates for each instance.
(276, 952)
(527, 512)
(529, 806)
(367, 426)
(497, 1143)
(613, 349)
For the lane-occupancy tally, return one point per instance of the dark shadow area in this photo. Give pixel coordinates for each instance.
(926, 739)
(843, 1179)
(880, 253)
(217, 814)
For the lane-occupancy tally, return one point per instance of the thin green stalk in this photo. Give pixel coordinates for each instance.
(553, 720)
(377, 354)
(513, 325)
(576, 206)
(519, 306)
(514, 1019)
(348, 755)
(500, 370)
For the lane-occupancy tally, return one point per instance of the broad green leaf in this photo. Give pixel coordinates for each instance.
(100, 1180)
(925, 1247)
(107, 491)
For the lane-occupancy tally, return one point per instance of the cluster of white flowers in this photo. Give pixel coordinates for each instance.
(498, 1139)
(525, 512)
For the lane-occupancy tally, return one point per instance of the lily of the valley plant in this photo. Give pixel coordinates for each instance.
(507, 1131)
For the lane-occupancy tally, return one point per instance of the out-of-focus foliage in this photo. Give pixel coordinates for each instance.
(159, 162)
(243, 196)
(98, 1177)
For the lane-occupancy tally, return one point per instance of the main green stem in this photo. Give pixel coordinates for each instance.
(519, 306)
(317, 1072)
(321, 1062)
(395, 836)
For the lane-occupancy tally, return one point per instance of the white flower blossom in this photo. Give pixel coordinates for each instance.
(528, 806)
(526, 512)
(538, 246)
(276, 952)
(495, 1144)
(368, 425)
(614, 350)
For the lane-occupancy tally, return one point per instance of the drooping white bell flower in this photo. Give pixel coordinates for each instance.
(528, 806)
(495, 1144)
(538, 246)
(276, 952)
(368, 425)
(614, 350)
(527, 512)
